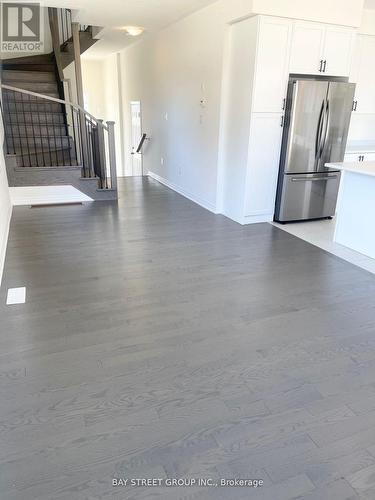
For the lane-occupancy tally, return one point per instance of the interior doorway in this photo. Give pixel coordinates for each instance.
(136, 136)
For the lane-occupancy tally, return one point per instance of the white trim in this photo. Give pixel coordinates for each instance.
(250, 219)
(256, 219)
(4, 239)
(205, 204)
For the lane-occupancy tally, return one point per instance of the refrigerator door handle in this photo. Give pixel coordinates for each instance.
(314, 179)
(318, 137)
(328, 119)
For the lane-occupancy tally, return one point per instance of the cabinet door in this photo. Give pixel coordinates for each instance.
(338, 50)
(307, 48)
(263, 165)
(272, 65)
(364, 74)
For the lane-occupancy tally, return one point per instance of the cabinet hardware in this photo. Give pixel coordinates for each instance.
(361, 158)
(282, 121)
(284, 104)
(321, 66)
(355, 104)
(324, 66)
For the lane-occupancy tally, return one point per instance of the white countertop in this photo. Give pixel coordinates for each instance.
(360, 147)
(364, 168)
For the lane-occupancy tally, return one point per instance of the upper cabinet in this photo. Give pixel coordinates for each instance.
(363, 74)
(307, 48)
(321, 49)
(272, 64)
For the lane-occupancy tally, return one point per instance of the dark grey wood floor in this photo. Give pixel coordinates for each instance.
(160, 340)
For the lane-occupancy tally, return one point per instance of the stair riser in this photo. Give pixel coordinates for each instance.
(35, 118)
(34, 130)
(33, 106)
(42, 143)
(53, 159)
(38, 87)
(11, 96)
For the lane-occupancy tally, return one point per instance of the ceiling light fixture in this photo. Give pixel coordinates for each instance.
(133, 30)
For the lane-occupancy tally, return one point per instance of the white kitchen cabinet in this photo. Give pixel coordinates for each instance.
(363, 74)
(271, 70)
(263, 165)
(307, 48)
(338, 50)
(321, 49)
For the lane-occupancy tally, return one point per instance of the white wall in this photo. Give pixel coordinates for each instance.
(368, 23)
(101, 89)
(5, 204)
(171, 73)
(93, 87)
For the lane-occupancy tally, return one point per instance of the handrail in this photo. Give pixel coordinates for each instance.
(142, 141)
(55, 99)
(70, 136)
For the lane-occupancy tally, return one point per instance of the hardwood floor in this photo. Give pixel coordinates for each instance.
(161, 341)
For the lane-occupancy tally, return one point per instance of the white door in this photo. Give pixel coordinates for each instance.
(364, 74)
(272, 65)
(338, 50)
(307, 48)
(136, 135)
(264, 157)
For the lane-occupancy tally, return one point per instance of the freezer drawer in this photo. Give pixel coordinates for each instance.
(308, 196)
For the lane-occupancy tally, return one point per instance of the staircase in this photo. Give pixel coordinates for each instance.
(49, 140)
(35, 129)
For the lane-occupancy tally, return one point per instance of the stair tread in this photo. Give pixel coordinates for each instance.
(19, 83)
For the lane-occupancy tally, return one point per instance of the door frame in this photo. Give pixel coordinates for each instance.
(132, 103)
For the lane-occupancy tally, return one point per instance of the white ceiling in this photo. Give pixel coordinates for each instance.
(369, 4)
(153, 15)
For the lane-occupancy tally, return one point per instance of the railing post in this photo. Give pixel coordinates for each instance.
(79, 82)
(54, 26)
(112, 154)
(102, 158)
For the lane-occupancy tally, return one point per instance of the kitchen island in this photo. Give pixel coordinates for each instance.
(355, 225)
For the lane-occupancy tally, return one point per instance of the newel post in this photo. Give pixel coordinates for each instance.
(112, 154)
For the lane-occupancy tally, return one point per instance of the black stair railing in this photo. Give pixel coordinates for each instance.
(43, 131)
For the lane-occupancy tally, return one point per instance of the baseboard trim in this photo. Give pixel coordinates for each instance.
(182, 192)
(4, 244)
(257, 218)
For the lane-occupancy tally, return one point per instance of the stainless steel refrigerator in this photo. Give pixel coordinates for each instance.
(316, 127)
